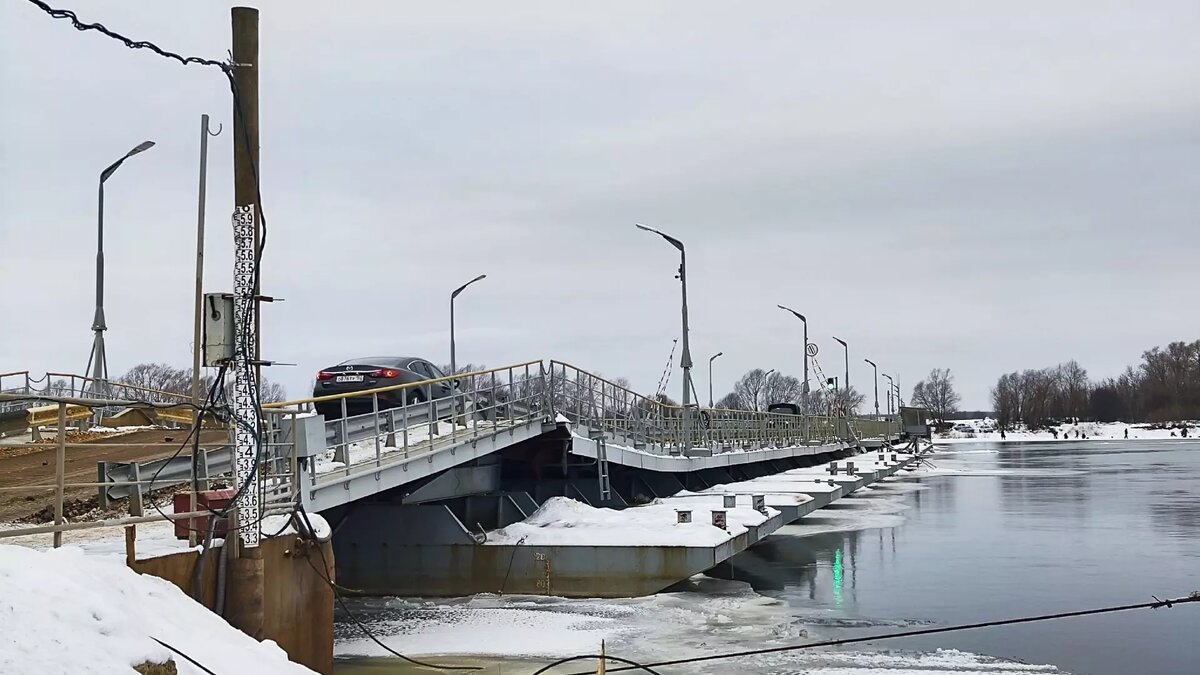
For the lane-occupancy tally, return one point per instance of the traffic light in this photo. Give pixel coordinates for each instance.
(831, 384)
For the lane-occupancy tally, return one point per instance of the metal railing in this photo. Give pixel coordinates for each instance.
(277, 488)
(404, 420)
(604, 406)
(366, 430)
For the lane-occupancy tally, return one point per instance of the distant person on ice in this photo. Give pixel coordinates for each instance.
(1126, 432)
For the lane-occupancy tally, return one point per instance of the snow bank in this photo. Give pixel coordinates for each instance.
(65, 612)
(565, 522)
(1066, 432)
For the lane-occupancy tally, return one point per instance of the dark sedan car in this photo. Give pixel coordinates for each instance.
(375, 372)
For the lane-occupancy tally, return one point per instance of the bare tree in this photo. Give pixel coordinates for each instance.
(936, 394)
(158, 377)
(1074, 382)
(1006, 400)
(749, 388)
(731, 401)
(780, 388)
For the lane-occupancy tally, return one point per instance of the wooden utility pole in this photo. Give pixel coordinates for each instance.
(245, 599)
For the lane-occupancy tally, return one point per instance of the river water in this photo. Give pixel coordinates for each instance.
(990, 531)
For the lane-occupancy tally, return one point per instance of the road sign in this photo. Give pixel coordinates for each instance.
(812, 349)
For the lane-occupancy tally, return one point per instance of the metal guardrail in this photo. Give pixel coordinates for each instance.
(480, 404)
(130, 480)
(604, 406)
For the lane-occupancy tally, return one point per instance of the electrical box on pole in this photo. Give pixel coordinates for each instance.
(220, 335)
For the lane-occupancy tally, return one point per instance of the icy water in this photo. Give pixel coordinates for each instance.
(992, 531)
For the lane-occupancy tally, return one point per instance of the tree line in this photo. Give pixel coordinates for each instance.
(1164, 387)
(167, 378)
(757, 389)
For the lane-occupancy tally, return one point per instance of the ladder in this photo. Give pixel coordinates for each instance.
(602, 469)
(851, 432)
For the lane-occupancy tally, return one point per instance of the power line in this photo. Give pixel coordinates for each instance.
(132, 44)
(1193, 597)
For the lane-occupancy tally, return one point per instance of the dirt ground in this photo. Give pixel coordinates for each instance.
(19, 467)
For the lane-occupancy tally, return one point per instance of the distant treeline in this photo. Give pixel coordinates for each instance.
(1165, 386)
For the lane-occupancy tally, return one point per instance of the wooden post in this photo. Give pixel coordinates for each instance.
(60, 475)
(130, 545)
(244, 608)
(246, 167)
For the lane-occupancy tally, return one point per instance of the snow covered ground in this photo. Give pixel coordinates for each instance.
(1066, 432)
(62, 611)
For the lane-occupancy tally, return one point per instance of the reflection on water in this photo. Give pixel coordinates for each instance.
(993, 531)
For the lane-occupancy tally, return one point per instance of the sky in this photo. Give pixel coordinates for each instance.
(983, 187)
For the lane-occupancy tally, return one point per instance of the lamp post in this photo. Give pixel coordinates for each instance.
(891, 386)
(876, 386)
(453, 295)
(846, 384)
(710, 387)
(766, 378)
(804, 390)
(97, 362)
(685, 360)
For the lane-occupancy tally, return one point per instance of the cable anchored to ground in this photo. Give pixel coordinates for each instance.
(1156, 604)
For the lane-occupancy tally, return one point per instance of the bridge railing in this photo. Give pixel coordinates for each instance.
(366, 429)
(605, 406)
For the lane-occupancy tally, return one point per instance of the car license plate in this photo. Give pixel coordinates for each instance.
(348, 378)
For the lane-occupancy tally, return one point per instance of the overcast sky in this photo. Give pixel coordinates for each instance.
(977, 186)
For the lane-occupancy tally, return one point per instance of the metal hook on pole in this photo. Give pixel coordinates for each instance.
(210, 132)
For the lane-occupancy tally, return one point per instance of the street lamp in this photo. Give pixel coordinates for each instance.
(891, 386)
(685, 361)
(710, 390)
(846, 382)
(97, 362)
(766, 378)
(876, 386)
(460, 289)
(804, 390)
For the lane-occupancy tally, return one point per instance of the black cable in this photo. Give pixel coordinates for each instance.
(132, 44)
(1193, 597)
(309, 533)
(631, 665)
(190, 660)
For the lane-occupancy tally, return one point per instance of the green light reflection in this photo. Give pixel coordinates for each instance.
(837, 577)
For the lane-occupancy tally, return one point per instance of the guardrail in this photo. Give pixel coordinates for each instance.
(476, 405)
(604, 406)
(131, 480)
(276, 469)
